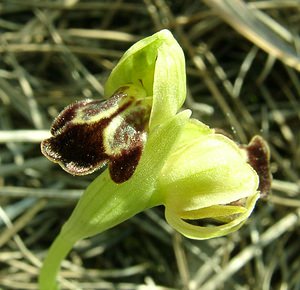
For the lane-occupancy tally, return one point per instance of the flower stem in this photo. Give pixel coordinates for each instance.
(58, 251)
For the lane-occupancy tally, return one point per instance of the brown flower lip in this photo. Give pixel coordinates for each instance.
(258, 154)
(91, 134)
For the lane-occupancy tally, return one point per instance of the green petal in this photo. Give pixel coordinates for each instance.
(211, 170)
(192, 130)
(202, 233)
(212, 212)
(169, 90)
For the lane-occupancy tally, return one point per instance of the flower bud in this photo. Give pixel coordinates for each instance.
(207, 179)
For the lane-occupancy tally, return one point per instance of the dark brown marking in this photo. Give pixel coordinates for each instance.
(259, 158)
(79, 146)
(139, 117)
(90, 108)
(66, 116)
(96, 107)
(123, 166)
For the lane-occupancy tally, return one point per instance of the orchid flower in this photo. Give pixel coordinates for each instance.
(154, 155)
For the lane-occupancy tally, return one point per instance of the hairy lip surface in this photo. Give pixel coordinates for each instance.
(85, 138)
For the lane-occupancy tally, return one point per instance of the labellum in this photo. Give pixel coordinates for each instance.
(91, 134)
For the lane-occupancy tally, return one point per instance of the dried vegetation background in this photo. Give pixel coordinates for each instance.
(243, 76)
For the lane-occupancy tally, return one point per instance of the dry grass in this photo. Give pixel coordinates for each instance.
(243, 76)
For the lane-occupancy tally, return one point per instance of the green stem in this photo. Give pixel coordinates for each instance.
(57, 252)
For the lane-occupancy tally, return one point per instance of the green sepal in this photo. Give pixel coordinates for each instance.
(157, 63)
